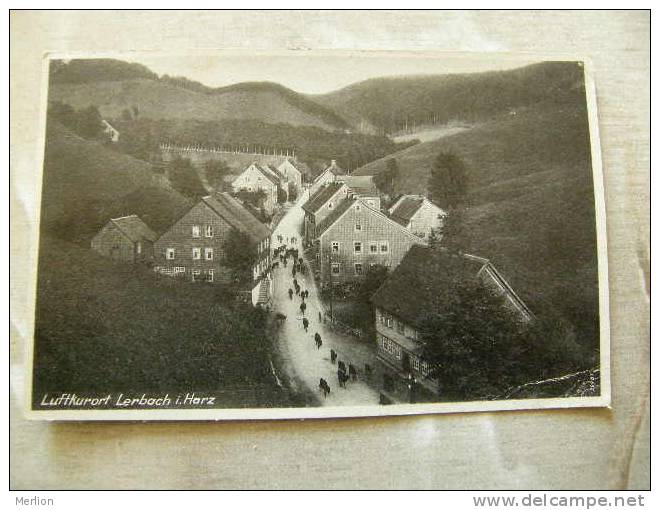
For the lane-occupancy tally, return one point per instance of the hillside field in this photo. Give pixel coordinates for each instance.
(103, 326)
(85, 183)
(531, 204)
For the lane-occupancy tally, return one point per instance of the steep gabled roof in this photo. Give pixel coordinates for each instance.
(134, 228)
(334, 169)
(405, 208)
(345, 205)
(266, 172)
(423, 278)
(327, 222)
(232, 211)
(273, 171)
(321, 197)
(360, 184)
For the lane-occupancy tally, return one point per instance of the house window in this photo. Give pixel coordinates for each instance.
(208, 232)
(358, 269)
(335, 247)
(179, 269)
(209, 275)
(195, 275)
(373, 247)
(195, 230)
(390, 347)
(415, 363)
(388, 321)
(169, 254)
(384, 247)
(139, 247)
(400, 328)
(196, 253)
(358, 226)
(357, 247)
(335, 268)
(208, 253)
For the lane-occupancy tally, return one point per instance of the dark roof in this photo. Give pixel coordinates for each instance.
(318, 199)
(237, 215)
(274, 171)
(341, 208)
(405, 208)
(268, 174)
(360, 184)
(134, 228)
(423, 278)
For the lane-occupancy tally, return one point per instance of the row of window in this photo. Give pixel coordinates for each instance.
(358, 268)
(391, 322)
(395, 350)
(195, 274)
(374, 247)
(390, 347)
(196, 231)
(170, 254)
(419, 365)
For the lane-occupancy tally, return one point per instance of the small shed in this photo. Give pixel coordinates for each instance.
(110, 131)
(127, 239)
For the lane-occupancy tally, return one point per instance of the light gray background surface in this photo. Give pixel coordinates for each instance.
(562, 449)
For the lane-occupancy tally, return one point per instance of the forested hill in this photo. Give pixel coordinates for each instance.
(116, 86)
(531, 204)
(388, 105)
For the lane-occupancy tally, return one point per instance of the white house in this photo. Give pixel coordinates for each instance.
(328, 175)
(291, 173)
(256, 177)
(417, 214)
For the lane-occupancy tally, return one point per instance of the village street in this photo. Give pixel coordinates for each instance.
(307, 363)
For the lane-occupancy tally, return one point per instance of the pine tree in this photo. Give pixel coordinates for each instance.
(452, 235)
(448, 181)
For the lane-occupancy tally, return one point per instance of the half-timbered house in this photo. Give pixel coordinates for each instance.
(194, 247)
(354, 237)
(320, 205)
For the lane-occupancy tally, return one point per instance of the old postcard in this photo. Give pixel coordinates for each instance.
(244, 235)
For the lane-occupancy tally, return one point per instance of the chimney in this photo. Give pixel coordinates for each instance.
(333, 162)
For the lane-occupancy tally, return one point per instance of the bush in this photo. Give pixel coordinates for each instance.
(184, 178)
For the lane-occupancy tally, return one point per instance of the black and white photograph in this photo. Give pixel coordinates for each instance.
(230, 235)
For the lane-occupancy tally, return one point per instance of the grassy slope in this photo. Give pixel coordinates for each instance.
(106, 327)
(103, 326)
(531, 196)
(156, 99)
(85, 183)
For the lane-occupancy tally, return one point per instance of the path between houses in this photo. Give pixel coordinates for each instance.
(307, 363)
